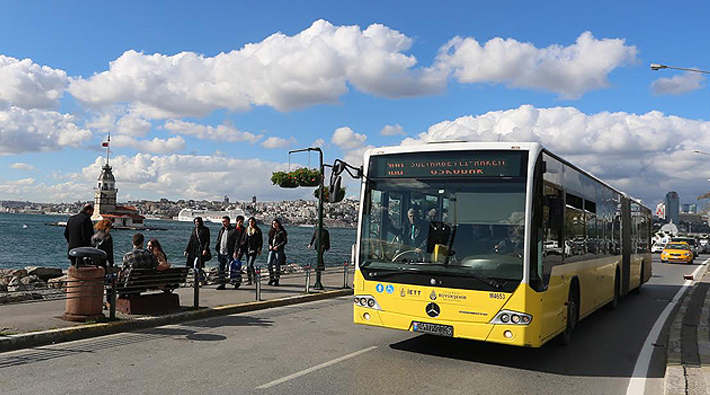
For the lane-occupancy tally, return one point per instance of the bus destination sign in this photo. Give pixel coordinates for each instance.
(448, 164)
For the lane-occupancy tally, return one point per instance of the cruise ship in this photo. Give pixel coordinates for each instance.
(188, 215)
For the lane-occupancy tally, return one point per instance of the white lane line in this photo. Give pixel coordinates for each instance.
(637, 384)
(313, 369)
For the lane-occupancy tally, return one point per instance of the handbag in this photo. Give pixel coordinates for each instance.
(235, 271)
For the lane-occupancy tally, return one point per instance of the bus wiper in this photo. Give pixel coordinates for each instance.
(489, 281)
(389, 273)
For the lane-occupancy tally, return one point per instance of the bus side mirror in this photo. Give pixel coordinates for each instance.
(334, 189)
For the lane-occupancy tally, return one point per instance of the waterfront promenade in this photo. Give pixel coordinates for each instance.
(314, 348)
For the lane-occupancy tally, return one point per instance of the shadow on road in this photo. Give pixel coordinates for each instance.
(605, 344)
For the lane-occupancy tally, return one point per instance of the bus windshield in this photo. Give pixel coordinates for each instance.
(471, 230)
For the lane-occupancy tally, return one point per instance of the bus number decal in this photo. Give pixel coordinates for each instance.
(496, 295)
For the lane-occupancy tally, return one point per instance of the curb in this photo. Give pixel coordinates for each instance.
(52, 336)
(684, 371)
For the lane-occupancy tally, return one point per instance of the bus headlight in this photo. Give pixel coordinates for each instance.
(509, 317)
(366, 301)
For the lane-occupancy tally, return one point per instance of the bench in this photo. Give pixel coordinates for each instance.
(131, 286)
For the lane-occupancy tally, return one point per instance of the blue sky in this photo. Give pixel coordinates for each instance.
(574, 77)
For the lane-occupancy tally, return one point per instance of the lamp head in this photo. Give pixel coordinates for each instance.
(656, 66)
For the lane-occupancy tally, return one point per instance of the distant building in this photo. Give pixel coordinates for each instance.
(226, 199)
(105, 201)
(673, 207)
(691, 208)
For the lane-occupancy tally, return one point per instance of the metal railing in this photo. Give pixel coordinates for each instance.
(116, 286)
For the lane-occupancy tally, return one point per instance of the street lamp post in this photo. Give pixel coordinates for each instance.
(656, 67)
(319, 267)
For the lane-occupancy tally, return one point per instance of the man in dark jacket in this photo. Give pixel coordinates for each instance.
(199, 245)
(226, 241)
(79, 230)
(324, 246)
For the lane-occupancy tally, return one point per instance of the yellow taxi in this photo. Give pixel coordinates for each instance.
(677, 252)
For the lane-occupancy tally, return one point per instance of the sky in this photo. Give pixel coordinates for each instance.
(204, 99)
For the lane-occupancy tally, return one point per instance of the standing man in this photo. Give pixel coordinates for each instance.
(79, 230)
(226, 240)
(324, 246)
(199, 246)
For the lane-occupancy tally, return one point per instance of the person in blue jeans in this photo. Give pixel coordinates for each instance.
(250, 245)
(277, 256)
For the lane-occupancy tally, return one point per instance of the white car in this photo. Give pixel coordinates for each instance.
(657, 248)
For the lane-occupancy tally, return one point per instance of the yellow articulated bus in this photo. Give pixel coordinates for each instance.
(496, 242)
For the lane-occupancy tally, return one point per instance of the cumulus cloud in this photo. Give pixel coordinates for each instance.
(643, 154)
(284, 72)
(206, 132)
(156, 146)
(347, 139)
(28, 85)
(392, 130)
(22, 166)
(278, 142)
(569, 71)
(193, 177)
(38, 131)
(678, 84)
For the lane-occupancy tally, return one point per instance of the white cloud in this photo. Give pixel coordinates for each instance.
(278, 142)
(678, 84)
(569, 71)
(38, 131)
(156, 146)
(28, 85)
(646, 155)
(392, 130)
(347, 139)
(318, 143)
(22, 166)
(284, 72)
(194, 177)
(205, 132)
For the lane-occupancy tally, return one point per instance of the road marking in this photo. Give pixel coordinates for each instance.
(637, 384)
(314, 368)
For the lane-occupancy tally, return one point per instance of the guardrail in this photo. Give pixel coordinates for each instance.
(113, 286)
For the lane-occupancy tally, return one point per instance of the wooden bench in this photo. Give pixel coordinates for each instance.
(132, 285)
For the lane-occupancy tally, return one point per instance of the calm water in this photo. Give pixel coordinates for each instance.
(42, 245)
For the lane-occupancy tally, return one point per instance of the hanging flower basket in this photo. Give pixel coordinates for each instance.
(307, 177)
(340, 195)
(284, 180)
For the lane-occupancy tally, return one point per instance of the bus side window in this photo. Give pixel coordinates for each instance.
(552, 223)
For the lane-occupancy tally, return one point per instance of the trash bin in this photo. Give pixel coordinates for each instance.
(85, 285)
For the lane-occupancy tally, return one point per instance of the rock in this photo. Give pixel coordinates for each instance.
(16, 285)
(19, 273)
(58, 283)
(30, 279)
(45, 273)
(292, 268)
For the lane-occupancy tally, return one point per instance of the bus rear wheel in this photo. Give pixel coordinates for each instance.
(572, 317)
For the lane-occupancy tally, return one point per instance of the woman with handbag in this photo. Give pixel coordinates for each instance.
(198, 248)
(103, 240)
(250, 245)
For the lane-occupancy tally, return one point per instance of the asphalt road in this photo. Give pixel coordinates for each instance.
(315, 349)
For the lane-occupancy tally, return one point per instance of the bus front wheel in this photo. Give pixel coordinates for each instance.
(572, 316)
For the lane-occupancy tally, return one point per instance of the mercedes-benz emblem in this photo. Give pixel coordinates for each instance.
(432, 310)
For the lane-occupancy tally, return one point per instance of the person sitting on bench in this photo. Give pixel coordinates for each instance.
(139, 257)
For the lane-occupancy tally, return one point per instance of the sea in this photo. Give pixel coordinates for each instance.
(28, 240)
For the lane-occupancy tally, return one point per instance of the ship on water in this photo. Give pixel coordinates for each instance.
(188, 215)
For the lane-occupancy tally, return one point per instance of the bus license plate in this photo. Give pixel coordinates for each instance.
(433, 329)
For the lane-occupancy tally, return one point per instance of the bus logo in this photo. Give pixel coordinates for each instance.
(402, 292)
(433, 310)
(432, 296)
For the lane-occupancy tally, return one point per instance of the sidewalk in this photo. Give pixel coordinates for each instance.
(44, 316)
(688, 350)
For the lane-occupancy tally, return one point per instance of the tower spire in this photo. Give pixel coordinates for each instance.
(106, 144)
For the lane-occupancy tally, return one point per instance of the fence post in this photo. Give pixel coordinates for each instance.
(112, 307)
(308, 278)
(345, 275)
(196, 284)
(257, 280)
